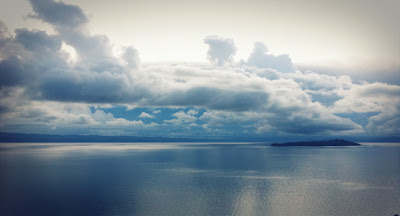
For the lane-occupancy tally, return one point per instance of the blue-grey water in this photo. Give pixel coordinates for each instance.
(198, 179)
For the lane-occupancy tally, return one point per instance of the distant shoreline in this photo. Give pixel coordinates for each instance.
(335, 142)
(53, 138)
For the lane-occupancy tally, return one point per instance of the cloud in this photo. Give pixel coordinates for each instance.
(71, 24)
(221, 50)
(3, 30)
(368, 97)
(145, 115)
(260, 58)
(156, 111)
(231, 91)
(38, 41)
(58, 13)
(314, 81)
(288, 109)
(28, 56)
(192, 112)
(264, 95)
(35, 60)
(101, 116)
(57, 117)
(212, 98)
(373, 97)
(131, 56)
(181, 118)
(385, 123)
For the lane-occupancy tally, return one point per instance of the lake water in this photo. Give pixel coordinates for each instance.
(198, 179)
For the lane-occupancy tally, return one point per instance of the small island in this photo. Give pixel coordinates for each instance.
(335, 142)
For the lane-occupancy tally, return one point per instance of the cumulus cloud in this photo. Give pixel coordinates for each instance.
(131, 56)
(373, 97)
(3, 30)
(221, 50)
(260, 58)
(265, 94)
(385, 123)
(35, 60)
(145, 115)
(57, 117)
(38, 41)
(181, 118)
(192, 112)
(71, 24)
(156, 111)
(58, 13)
(101, 116)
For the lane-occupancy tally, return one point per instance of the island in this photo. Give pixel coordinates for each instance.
(335, 142)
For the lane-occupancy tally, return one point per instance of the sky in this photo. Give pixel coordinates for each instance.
(200, 68)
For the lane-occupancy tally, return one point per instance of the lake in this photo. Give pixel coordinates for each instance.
(198, 179)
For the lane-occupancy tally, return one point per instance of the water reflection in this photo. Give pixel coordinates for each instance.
(197, 179)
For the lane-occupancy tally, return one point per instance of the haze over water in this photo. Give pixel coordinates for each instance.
(198, 179)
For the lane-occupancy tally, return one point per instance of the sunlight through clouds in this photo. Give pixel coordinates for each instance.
(56, 81)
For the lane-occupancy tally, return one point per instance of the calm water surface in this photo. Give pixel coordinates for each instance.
(198, 179)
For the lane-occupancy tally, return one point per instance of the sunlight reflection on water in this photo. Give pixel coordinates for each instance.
(197, 179)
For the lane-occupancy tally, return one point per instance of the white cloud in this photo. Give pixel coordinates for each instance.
(145, 115)
(221, 50)
(156, 111)
(368, 97)
(124, 122)
(192, 112)
(39, 86)
(261, 59)
(373, 97)
(101, 116)
(181, 118)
